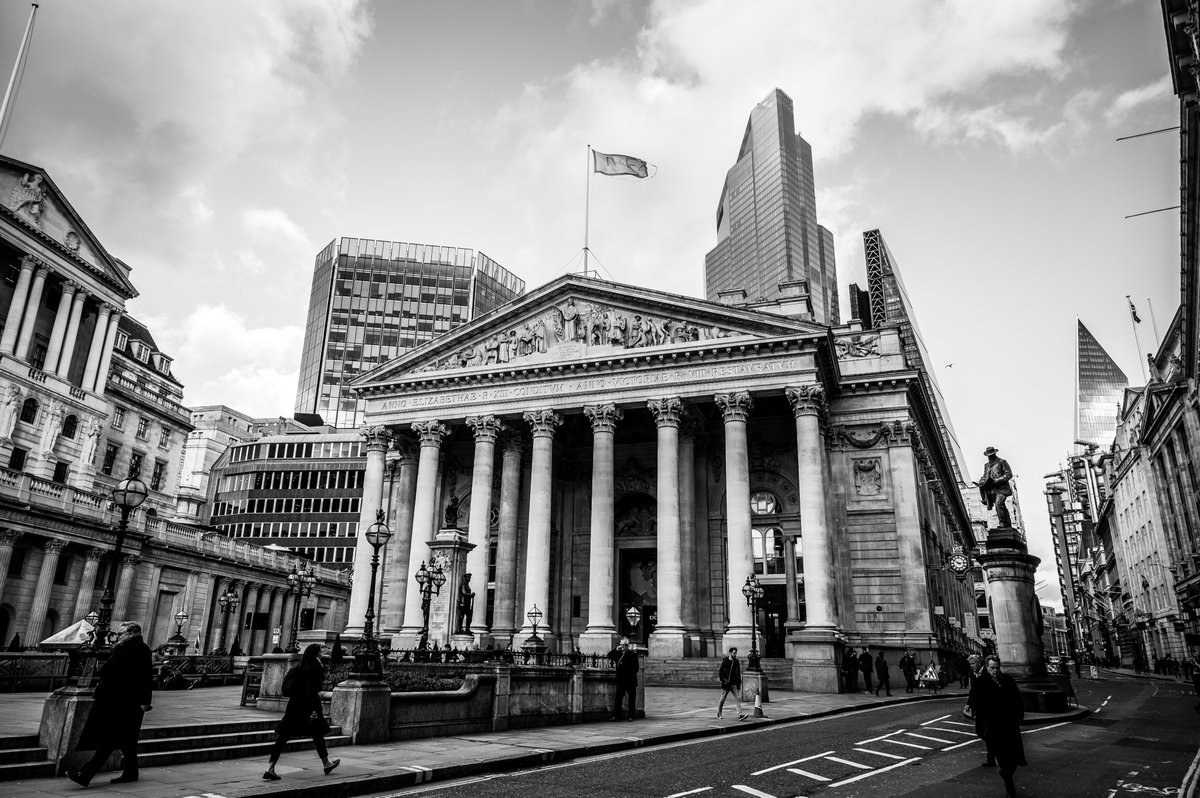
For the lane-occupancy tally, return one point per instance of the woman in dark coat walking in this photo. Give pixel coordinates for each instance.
(1000, 711)
(303, 716)
(122, 698)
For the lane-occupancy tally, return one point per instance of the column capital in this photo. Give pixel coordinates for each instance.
(512, 442)
(96, 554)
(604, 418)
(404, 450)
(807, 400)
(543, 422)
(31, 262)
(486, 428)
(667, 412)
(54, 545)
(9, 536)
(431, 433)
(376, 437)
(69, 287)
(735, 406)
(131, 560)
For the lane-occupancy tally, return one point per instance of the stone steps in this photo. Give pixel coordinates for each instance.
(697, 672)
(21, 757)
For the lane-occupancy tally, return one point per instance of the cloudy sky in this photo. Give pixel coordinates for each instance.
(217, 147)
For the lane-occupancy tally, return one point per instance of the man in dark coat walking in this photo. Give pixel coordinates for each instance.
(882, 676)
(122, 698)
(866, 665)
(850, 670)
(908, 667)
(1001, 710)
(626, 663)
(979, 681)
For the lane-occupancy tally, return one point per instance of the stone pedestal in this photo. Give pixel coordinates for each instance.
(270, 690)
(1010, 570)
(449, 550)
(362, 707)
(754, 683)
(598, 642)
(671, 643)
(814, 661)
(63, 717)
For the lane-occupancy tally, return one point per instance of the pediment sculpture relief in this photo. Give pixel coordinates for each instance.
(856, 346)
(28, 198)
(585, 323)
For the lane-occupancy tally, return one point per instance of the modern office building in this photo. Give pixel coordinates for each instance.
(1099, 390)
(767, 230)
(374, 300)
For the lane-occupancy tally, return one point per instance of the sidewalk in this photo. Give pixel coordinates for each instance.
(673, 714)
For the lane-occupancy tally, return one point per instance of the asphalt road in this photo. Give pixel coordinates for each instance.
(1140, 741)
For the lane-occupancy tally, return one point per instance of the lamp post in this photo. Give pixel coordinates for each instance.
(431, 581)
(534, 616)
(366, 655)
(633, 615)
(127, 496)
(753, 591)
(228, 601)
(300, 583)
(178, 640)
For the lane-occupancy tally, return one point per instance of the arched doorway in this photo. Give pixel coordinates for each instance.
(769, 549)
(635, 527)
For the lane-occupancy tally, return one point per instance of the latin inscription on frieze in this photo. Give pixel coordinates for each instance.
(568, 386)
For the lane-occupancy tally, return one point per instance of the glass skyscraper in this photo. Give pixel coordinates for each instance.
(767, 231)
(1099, 390)
(372, 301)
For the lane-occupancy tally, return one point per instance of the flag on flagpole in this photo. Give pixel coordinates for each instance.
(1133, 312)
(605, 164)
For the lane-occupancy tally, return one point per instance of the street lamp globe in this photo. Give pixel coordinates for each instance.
(129, 493)
(181, 618)
(633, 615)
(534, 616)
(378, 534)
(439, 577)
(422, 575)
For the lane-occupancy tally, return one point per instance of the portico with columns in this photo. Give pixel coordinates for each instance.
(611, 447)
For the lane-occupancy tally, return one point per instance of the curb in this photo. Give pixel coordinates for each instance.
(410, 777)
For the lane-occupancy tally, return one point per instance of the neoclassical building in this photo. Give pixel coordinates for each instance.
(605, 446)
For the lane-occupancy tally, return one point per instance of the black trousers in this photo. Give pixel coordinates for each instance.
(129, 760)
(867, 680)
(281, 742)
(624, 691)
(885, 684)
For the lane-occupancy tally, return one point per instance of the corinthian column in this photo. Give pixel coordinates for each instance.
(87, 584)
(63, 369)
(735, 407)
(601, 634)
(7, 538)
(687, 527)
(41, 594)
(16, 308)
(486, 429)
(369, 509)
(808, 404)
(110, 340)
(431, 434)
(31, 312)
(669, 637)
(401, 543)
(58, 334)
(537, 553)
(121, 607)
(505, 613)
(97, 348)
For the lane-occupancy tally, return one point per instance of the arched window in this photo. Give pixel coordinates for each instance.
(767, 540)
(70, 426)
(29, 410)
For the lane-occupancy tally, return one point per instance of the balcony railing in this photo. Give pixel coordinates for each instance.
(35, 491)
(140, 390)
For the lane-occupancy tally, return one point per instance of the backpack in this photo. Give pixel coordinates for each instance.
(291, 683)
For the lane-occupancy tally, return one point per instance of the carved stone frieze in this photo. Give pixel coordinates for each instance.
(29, 198)
(851, 347)
(634, 478)
(868, 477)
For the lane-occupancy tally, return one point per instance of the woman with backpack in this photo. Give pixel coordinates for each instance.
(303, 716)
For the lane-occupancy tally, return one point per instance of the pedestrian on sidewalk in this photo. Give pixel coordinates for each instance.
(850, 670)
(908, 667)
(730, 674)
(626, 664)
(883, 678)
(122, 699)
(303, 716)
(866, 665)
(1001, 710)
(974, 699)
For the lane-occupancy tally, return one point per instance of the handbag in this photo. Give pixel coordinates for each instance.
(968, 712)
(317, 725)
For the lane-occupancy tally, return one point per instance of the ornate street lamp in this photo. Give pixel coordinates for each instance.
(126, 496)
(300, 583)
(633, 615)
(534, 616)
(753, 592)
(178, 640)
(431, 581)
(228, 601)
(366, 655)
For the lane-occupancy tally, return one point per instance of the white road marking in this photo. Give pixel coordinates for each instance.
(960, 745)
(910, 745)
(789, 764)
(935, 720)
(813, 776)
(422, 773)
(874, 772)
(751, 791)
(858, 765)
(689, 792)
(952, 731)
(1043, 728)
(879, 753)
(960, 723)
(927, 737)
(881, 737)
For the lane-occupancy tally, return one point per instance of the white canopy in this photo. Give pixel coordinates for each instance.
(76, 634)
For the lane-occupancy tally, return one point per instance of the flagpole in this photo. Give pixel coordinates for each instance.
(1154, 324)
(587, 210)
(1136, 342)
(14, 79)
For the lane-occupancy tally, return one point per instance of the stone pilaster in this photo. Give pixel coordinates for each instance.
(543, 424)
(41, 594)
(735, 408)
(669, 638)
(486, 429)
(601, 633)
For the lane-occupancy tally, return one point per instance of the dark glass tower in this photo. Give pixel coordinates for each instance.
(767, 231)
(374, 300)
(1099, 390)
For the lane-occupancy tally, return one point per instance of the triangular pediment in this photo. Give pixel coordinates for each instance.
(32, 205)
(577, 318)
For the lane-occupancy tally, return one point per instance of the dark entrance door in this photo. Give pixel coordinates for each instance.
(638, 581)
(772, 612)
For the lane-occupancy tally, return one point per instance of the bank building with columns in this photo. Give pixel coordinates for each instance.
(598, 447)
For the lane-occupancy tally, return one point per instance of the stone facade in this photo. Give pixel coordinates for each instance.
(650, 450)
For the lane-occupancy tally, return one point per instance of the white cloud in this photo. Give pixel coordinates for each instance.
(1129, 102)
